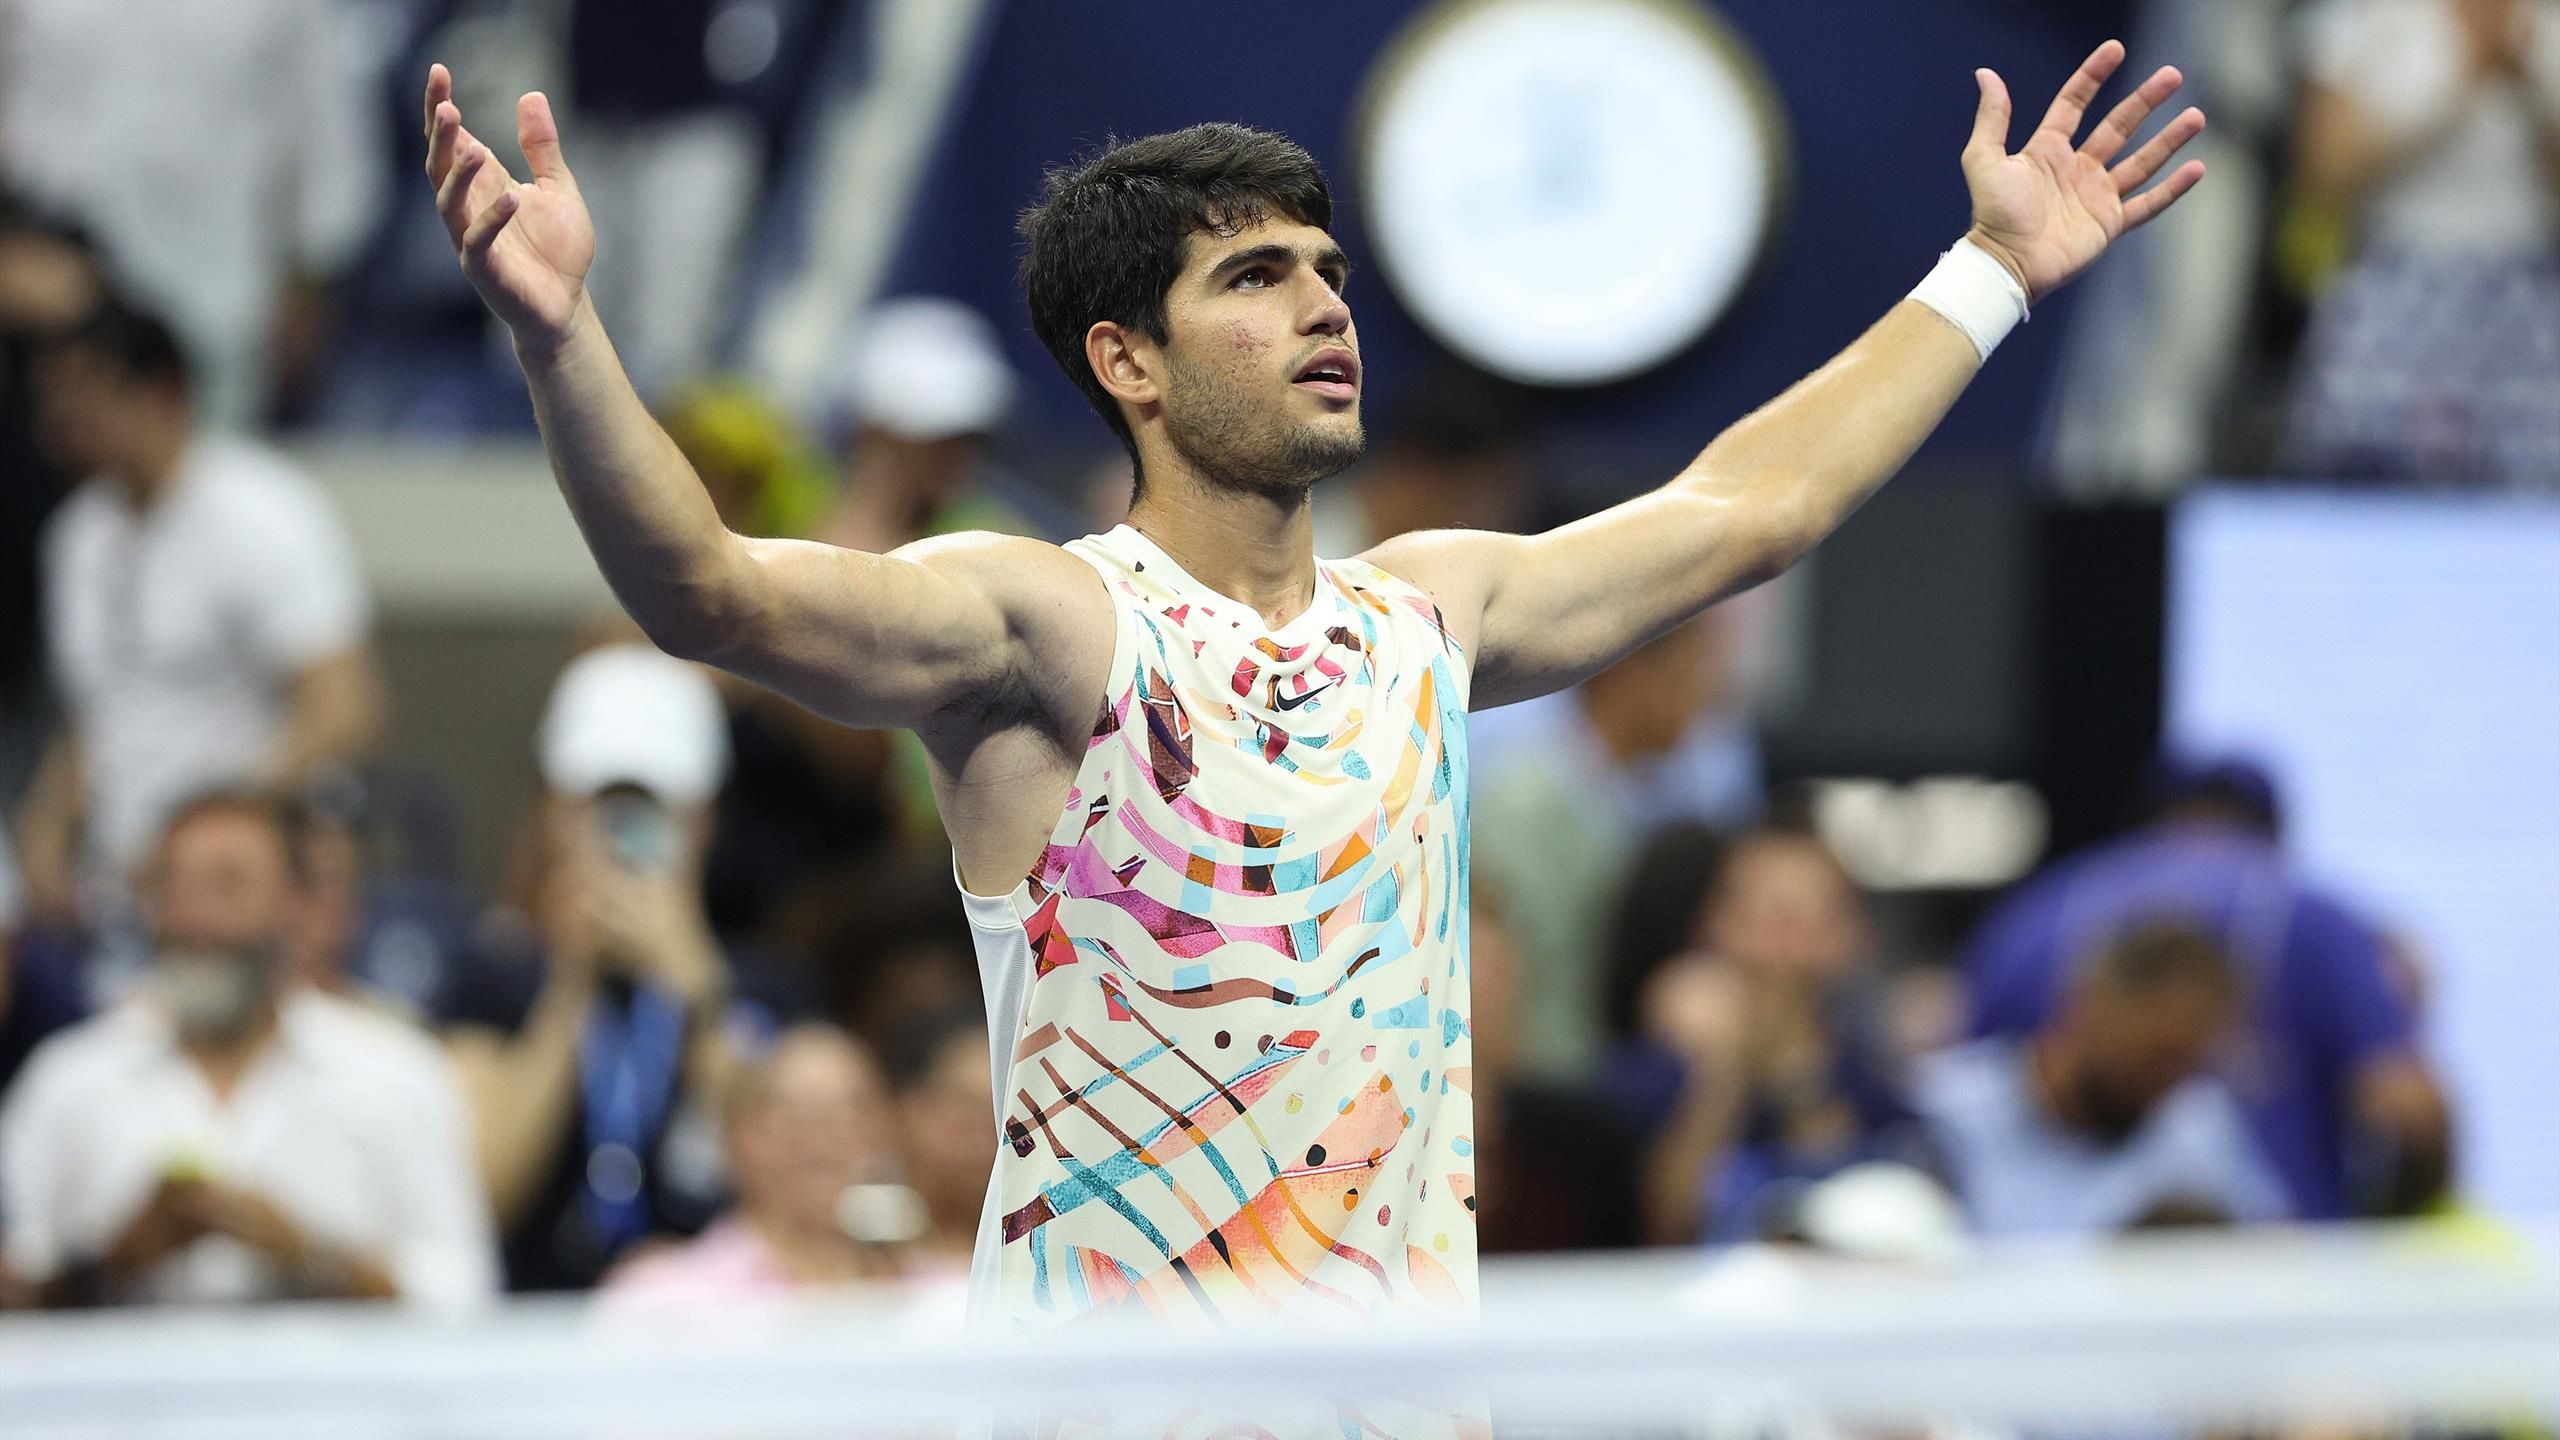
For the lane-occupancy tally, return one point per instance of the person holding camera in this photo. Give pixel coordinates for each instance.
(596, 1026)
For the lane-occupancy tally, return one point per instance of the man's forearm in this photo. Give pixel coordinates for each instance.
(48, 830)
(1681, 1163)
(1814, 454)
(335, 717)
(643, 510)
(523, 1091)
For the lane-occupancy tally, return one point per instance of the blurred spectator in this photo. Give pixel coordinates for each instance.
(2426, 153)
(2349, 1115)
(804, 1126)
(1462, 455)
(40, 989)
(1556, 1162)
(900, 954)
(926, 384)
(1562, 807)
(389, 940)
(593, 1029)
(943, 1075)
(1657, 920)
(229, 1135)
(671, 166)
(765, 477)
(233, 228)
(48, 280)
(1770, 1044)
(2155, 360)
(805, 799)
(2107, 1116)
(206, 616)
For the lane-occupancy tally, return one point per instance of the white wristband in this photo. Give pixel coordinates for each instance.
(1976, 293)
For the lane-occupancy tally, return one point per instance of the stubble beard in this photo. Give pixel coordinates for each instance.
(1218, 432)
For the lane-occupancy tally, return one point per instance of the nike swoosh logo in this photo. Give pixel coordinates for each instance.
(1292, 702)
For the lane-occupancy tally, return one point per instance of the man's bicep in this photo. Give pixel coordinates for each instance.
(879, 640)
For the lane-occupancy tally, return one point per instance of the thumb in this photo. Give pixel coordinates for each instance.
(1991, 118)
(538, 134)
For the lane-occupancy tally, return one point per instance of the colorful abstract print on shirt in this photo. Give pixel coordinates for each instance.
(1242, 1082)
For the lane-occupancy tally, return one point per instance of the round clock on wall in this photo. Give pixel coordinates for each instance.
(1569, 192)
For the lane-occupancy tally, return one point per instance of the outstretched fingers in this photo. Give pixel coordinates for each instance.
(453, 196)
(1991, 116)
(2118, 128)
(2145, 207)
(488, 225)
(439, 90)
(444, 122)
(538, 133)
(2146, 162)
(2072, 105)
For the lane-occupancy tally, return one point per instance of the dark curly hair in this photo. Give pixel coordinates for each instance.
(1106, 240)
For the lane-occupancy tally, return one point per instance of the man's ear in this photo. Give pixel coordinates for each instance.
(1129, 365)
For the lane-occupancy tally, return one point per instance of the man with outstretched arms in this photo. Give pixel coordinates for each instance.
(1206, 792)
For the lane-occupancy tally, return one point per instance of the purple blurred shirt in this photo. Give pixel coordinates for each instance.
(2323, 1004)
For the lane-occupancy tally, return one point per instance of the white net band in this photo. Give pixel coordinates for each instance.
(2233, 1328)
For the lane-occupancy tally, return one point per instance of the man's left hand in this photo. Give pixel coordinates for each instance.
(2053, 207)
(250, 1218)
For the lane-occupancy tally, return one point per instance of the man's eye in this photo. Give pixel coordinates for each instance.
(1253, 277)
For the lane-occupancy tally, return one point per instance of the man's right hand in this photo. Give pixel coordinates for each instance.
(525, 246)
(172, 1221)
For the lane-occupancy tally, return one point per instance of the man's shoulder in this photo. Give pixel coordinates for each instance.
(1054, 601)
(238, 477)
(76, 1064)
(87, 513)
(388, 1057)
(1453, 567)
(993, 555)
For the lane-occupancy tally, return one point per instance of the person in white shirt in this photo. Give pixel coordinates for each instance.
(231, 228)
(227, 1136)
(204, 612)
(2427, 153)
(2107, 1118)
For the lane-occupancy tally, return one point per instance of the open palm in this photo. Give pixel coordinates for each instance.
(2053, 207)
(525, 245)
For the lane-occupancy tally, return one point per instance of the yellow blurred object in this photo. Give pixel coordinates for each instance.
(2313, 242)
(2455, 1229)
(188, 1163)
(762, 471)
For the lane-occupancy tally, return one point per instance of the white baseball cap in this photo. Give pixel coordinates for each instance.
(1878, 1210)
(630, 715)
(926, 368)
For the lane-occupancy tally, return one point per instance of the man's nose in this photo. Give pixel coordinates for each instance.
(1331, 314)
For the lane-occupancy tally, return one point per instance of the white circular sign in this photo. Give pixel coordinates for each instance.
(1569, 192)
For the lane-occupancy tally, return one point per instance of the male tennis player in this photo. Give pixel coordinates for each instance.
(1207, 793)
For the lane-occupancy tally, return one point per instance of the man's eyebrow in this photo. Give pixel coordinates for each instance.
(1275, 253)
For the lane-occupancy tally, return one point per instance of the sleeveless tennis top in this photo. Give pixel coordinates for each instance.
(1229, 1006)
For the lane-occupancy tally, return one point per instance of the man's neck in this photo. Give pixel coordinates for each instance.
(150, 468)
(1253, 549)
(223, 1063)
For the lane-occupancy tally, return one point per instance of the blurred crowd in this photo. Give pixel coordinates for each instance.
(717, 1035)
